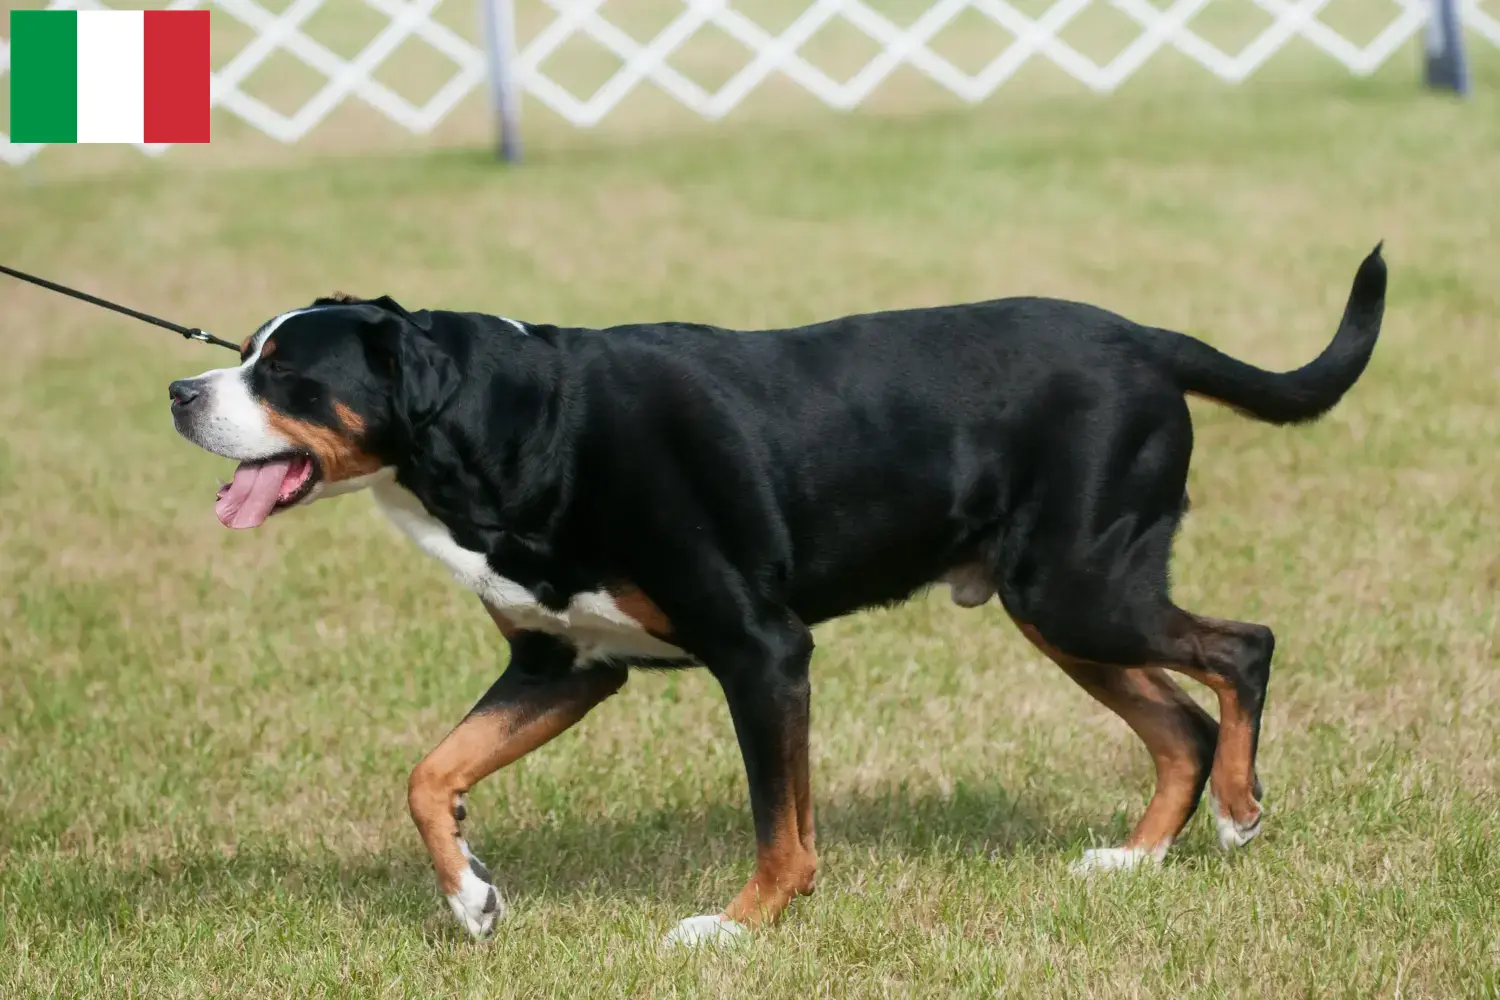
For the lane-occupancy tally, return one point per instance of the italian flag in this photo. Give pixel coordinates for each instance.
(109, 76)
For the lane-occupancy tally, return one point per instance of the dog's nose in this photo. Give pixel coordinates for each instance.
(183, 392)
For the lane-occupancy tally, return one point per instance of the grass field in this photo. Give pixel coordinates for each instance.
(205, 735)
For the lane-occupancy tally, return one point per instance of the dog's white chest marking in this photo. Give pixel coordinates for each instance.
(592, 621)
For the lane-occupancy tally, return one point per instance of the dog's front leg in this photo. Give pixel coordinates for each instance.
(764, 676)
(539, 696)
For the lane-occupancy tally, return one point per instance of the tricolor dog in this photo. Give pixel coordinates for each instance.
(670, 495)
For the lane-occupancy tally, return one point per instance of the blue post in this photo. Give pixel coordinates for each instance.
(500, 47)
(1446, 67)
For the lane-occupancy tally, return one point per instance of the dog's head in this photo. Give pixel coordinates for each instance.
(321, 403)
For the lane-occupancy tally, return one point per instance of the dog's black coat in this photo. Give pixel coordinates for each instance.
(752, 484)
(820, 469)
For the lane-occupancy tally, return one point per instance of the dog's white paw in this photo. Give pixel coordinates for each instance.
(711, 929)
(1232, 833)
(476, 904)
(1117, 859)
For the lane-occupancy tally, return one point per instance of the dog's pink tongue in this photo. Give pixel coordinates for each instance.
(248, 500)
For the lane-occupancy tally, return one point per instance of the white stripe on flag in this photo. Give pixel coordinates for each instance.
(111, 76)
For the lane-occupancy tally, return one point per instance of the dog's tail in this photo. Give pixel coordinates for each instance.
(1295, 396)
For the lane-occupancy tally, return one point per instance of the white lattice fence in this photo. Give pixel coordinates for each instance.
(1154, 25)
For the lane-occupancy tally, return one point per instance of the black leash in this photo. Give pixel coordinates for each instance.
(190, 332)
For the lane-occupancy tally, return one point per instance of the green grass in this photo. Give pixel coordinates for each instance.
(205, 735)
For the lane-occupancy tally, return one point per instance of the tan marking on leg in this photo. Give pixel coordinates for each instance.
(786, 866)
(635, 604)
(1160, 712)
(484, 742)
(802, 786)
(1233, 782)
(1163, 715)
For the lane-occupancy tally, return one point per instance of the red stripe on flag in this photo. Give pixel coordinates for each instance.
(177, 71)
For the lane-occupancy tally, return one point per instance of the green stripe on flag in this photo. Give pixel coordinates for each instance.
(43, 76)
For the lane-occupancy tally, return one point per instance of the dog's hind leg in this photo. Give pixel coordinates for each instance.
(1087, 576)
(1179, 734)
(539, 696)
(1231, 658)
(1234, 659)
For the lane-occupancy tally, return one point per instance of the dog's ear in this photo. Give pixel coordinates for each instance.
(422, 320)
(384, 302)
(428, 377)
(337, 299)
(423, 375)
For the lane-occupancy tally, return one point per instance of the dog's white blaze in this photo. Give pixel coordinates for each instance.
(233, 424)
(592, 621)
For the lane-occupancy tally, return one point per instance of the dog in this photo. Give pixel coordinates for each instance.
(672, 494)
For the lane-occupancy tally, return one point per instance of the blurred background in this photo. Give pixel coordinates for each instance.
(205, 735)
(335, 75)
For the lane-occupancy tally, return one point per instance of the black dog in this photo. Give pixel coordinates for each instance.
(672, 494)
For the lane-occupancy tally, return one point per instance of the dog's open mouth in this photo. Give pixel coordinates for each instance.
(259, 489)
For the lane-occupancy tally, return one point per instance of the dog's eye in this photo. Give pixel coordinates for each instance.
(276, 367)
